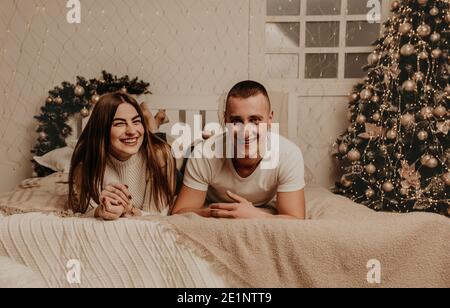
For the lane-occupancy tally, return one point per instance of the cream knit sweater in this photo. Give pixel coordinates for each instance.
(132, 173)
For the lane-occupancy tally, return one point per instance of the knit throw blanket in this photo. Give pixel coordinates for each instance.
(341, 245)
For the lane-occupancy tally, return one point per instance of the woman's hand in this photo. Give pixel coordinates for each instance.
(155, 122)
(115, 202)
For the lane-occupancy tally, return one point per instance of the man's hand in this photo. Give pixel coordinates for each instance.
(242, 209)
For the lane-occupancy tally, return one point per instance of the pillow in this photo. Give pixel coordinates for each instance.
(15, 275)
(46, 195)
(57, 160)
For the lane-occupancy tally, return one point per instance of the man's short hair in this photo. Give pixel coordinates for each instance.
(246, 89)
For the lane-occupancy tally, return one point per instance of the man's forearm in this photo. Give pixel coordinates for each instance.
(200, 212)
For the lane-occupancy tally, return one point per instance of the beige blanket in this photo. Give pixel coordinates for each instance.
(332, 250)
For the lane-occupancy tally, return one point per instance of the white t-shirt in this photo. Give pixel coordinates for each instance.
(218, 175)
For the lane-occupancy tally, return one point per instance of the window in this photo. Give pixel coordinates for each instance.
(318, 39)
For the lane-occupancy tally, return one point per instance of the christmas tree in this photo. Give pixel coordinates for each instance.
(395, 155)
(70, 99)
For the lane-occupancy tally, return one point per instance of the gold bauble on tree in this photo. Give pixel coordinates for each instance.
(366, 94)
(423, 55)
(95, 99)
(58, 101)
(388, 187)
(343, 148)
(419, 76)
(370, 193)
(49, 100)
(376, 116)
(446, 178)
(409, 86)
(79, 90)
(435, 37)
(395, 5)
(422, 2)
(447, 17)
(407, 50)
(354, 155)
(392, 134)
(436, 53)
(440, 111)
(352, 98)
(346, 182)
(371, 169)
(426, 112)
(407, 120)
(84, 112)
(405, 28)
(434, 11)
(373, 58)
(422, 135)
(361, 119)
(424, 30)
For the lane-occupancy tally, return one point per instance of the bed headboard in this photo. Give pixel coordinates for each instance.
(182, 109)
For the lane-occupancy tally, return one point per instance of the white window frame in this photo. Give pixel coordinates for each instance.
(306, 86)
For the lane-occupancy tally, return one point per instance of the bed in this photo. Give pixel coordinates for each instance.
(342, 244)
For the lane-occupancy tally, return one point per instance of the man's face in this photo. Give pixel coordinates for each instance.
(246, 115)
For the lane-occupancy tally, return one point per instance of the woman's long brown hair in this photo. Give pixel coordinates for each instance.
(90, 157)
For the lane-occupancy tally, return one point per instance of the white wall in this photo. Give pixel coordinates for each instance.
(182, 47)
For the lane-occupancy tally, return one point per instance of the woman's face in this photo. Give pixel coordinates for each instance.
(127, 132)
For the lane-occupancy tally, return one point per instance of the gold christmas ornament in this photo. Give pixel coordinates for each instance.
(58, 101)
(376, 116)
(373, 58)
(124, 90)
(346, 182)
(366, 94)
(422, 2)
(440, 111)
(435, 37)
(407, 50)
(436, 53)
(95, 99)
(407, 120)
(79, 90)
(85, 112)
(424, 30)
(446, 178)
(361, 119)
(388, 40)
(49, 100)
(426, 112)
(370, 193)
(447, 17)
(395, 5)
(343, 148)
(422, 135)
(354, 155)
(388, 187)
(392, 134)
(423, 55)
(42, 136)
(409, 86)
(405, 28)
(429, 88)
(371, 169)
(432, 163)
(434, 11)
(375, 99)
(352, 98)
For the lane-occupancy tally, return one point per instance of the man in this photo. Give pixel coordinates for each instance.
(239, 187)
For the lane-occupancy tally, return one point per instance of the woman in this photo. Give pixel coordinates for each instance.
(118, 165)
